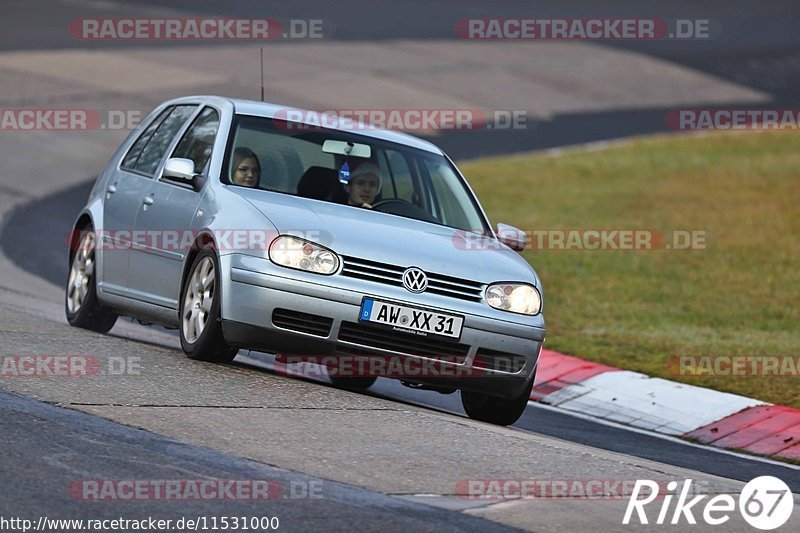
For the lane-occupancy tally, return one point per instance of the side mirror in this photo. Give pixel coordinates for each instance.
(180, 169)
(512, 237)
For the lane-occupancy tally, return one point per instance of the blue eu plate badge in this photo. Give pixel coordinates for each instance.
(366, 309)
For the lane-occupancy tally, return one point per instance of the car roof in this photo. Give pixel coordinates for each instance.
(270, 110)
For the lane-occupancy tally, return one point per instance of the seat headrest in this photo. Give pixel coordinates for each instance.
(319, 183)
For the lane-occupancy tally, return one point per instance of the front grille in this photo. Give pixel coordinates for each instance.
(302, 322)
(499, 361)
(393, 275)
(386, 339)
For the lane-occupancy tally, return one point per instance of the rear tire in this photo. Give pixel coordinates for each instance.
(500, 411)
(81, 306)
(200, 319)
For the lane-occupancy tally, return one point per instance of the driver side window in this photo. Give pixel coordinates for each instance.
(198, 141)
(400, 182)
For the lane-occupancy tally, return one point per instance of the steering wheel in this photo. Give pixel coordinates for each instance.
(388, 201)
(404, 208)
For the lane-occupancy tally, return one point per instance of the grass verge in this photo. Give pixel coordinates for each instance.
(637, 309)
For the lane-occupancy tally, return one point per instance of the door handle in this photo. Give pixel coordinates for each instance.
(148, 200)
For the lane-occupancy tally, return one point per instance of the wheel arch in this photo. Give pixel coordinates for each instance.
(84, 221)
(204, 241)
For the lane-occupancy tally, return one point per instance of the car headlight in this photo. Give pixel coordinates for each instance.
(293, 252)
(514, 297)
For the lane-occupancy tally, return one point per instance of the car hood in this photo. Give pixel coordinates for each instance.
(396, 240)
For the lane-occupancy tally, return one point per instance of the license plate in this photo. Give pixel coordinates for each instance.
(411, 319)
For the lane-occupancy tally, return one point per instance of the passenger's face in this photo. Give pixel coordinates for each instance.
(247, 173)
(363, 189)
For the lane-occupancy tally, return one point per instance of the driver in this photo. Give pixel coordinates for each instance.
(364, 185)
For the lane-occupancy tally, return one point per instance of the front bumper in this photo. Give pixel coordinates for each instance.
(493, 355)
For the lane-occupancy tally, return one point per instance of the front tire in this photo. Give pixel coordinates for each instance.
(201, 324)
(500, 411)
(82, 308)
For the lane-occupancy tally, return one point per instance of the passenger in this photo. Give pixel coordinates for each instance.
(245, 168)
(364, 185)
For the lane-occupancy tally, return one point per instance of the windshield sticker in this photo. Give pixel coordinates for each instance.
(344, 173)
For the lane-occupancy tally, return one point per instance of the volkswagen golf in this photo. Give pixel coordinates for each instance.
(243, 229)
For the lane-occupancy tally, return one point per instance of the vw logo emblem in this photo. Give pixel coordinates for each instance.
(415, 280)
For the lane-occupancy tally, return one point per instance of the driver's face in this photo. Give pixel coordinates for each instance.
(363, 189)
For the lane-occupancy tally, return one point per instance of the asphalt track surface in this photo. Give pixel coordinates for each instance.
(68, 445)
(60, 445)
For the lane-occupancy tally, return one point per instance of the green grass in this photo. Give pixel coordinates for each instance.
(635, 309)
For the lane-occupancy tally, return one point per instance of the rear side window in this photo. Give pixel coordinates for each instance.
(198, 141)
(129, 162)
(157, 146)
(156, 143)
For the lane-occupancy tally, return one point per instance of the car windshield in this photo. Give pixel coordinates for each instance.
(288, 158)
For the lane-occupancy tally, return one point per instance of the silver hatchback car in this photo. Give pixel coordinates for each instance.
(355, 248)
